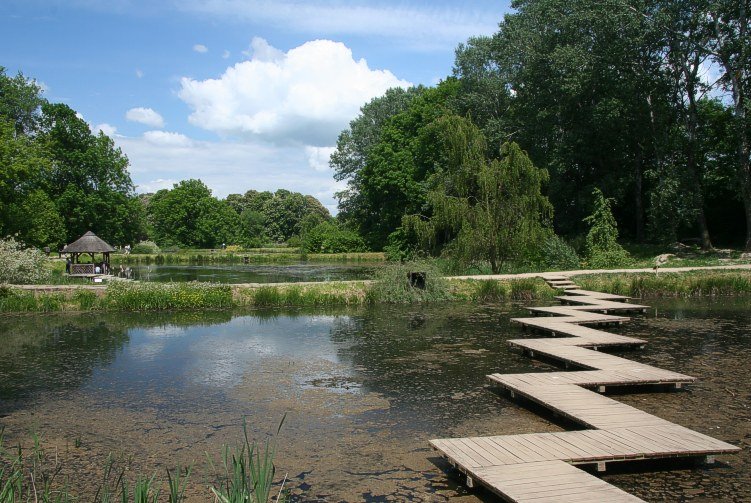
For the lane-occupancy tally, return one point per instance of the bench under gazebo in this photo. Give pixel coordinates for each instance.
(88, 244)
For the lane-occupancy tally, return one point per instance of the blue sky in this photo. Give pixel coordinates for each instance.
(243, 94)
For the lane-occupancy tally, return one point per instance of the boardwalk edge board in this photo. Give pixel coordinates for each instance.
(541, 467)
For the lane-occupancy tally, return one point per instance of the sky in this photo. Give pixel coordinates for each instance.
(242, 94)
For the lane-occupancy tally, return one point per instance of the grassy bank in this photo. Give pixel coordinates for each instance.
(137, 296)
(662, 284)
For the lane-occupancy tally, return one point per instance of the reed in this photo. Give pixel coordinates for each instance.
(249, 472)
(661, 284)
(392, 284)
(136, 296)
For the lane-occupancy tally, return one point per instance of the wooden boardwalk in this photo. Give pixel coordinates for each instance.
(539, 467)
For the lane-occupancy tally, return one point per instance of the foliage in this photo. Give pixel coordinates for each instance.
(401, 245)
(132, 296)
(666, 284)
(602, 248)
(18, 264)
(392, 283)
(145, 248)
(389, 180)
(329, 237)
(188, 216)
(483, 211)
(557, 254)
(249, 472)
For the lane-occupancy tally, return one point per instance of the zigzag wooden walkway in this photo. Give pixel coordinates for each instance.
(539, 467)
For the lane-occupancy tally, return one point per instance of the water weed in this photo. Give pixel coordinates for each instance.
(663, 284)
(249, 472)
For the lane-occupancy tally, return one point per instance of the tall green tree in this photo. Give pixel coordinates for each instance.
(483, 211)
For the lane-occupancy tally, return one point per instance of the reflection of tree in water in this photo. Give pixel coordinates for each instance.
(417, 356)
(40, 353)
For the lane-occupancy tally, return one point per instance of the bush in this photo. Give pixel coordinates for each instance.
(401, 245)
(603, 250)
(330, 238)
(20, 265)
(392, 283)
(145, 248)
(558, 254)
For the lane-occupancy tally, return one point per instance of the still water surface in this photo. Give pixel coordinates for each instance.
(363, 390)
(252, 273)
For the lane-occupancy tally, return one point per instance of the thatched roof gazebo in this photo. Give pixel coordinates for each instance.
(89, 244)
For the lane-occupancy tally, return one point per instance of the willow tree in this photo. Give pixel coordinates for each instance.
(482, 211)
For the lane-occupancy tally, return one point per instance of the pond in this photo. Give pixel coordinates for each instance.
(252, 273)
(362, 389)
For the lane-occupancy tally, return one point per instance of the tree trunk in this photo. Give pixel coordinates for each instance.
(638, 200)
(692, 120)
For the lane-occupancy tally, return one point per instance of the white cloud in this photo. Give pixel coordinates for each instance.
(139, 73)
(105, 128)
(167, 139)
(157, 162)
(200, 48)
(145, 116)
(318, 157)
(431, 27)
(155, 185)
(306, 96)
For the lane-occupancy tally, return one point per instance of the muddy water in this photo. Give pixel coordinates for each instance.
(363, 390)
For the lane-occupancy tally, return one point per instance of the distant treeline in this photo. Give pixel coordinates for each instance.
(59, 180)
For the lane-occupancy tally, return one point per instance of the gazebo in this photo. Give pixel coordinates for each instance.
(89, 244)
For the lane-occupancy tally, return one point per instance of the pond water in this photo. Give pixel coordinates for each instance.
(252, 273)
(362, 389)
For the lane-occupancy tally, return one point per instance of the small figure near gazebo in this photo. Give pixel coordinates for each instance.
(89, 244)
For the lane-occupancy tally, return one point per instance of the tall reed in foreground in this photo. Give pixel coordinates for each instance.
(249, 472)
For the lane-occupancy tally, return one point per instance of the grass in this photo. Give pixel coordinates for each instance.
(662, 284)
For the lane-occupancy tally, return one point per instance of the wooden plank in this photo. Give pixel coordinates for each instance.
(534, 467)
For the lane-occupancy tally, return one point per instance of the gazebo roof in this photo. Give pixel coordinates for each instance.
(88, 243)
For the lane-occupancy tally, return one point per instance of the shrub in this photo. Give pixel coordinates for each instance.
(18, 264)
(330, 238)
(392, 283)
(558, 254)
(401, 245)
(145, 248)
(603, 250)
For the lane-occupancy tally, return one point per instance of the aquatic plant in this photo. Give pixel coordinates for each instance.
(177, 481)
(666, 284)
(393, 283)
(249, 472)
(133, 296)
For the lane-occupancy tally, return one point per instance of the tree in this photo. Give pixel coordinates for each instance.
(285, 211)
(602, 248)
(174, 213)
(731, 49)
(88, 179)
(483, 210)
(20, 101)
(391, 181)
